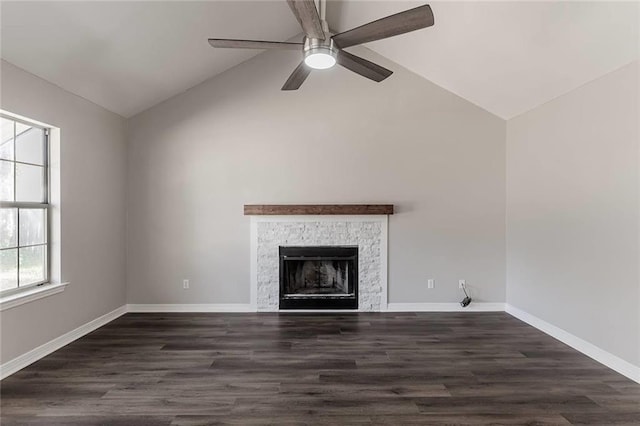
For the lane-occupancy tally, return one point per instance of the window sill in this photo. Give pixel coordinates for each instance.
(13, 300)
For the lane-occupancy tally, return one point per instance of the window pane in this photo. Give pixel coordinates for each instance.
(6, 138)
(30, 146)
(6, 129)
(32, 265)
(6, 150)
(21, 128)
(8, 269)
(6, 180)
(29, 183)
(8, 228)
(32, 227)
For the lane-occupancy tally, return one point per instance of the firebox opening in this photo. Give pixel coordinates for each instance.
(323, 277)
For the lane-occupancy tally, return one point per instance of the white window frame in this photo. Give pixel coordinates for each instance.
(44, 205)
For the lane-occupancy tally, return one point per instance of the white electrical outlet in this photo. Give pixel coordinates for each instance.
(462, 283)
(185, 284)
(431, 283)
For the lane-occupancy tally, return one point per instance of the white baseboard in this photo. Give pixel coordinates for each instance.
(192, 307)
(589, 349)
(445, 307)
(317, 311)
(241, 307)
(20, 362)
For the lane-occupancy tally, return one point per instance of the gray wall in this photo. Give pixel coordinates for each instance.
(573, 213)
(195, 159)
(93, 176)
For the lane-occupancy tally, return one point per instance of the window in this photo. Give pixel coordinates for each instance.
(24, 205)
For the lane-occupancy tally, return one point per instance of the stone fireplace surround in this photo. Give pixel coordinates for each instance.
(368, 232)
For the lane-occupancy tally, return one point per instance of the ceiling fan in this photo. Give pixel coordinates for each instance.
(322, 50)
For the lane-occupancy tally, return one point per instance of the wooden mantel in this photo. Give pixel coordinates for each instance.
(317, 209)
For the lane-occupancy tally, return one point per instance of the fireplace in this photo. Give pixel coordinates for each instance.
(322, 277)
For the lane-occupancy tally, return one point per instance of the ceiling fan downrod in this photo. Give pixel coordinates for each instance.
(320, 54)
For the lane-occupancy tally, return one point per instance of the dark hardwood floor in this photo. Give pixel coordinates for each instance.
(317, 369)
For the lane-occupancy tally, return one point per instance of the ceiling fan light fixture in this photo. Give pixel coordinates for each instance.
(320, 58)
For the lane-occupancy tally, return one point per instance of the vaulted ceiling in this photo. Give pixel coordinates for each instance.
(506, 57)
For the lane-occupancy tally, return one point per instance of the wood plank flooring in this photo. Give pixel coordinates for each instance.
(318, 369)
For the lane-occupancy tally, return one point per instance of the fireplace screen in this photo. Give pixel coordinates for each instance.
(318, 277)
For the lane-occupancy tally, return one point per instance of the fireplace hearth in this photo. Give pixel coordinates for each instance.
(320, 277)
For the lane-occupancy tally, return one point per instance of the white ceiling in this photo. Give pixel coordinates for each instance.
(127, 56)
(507, 57)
